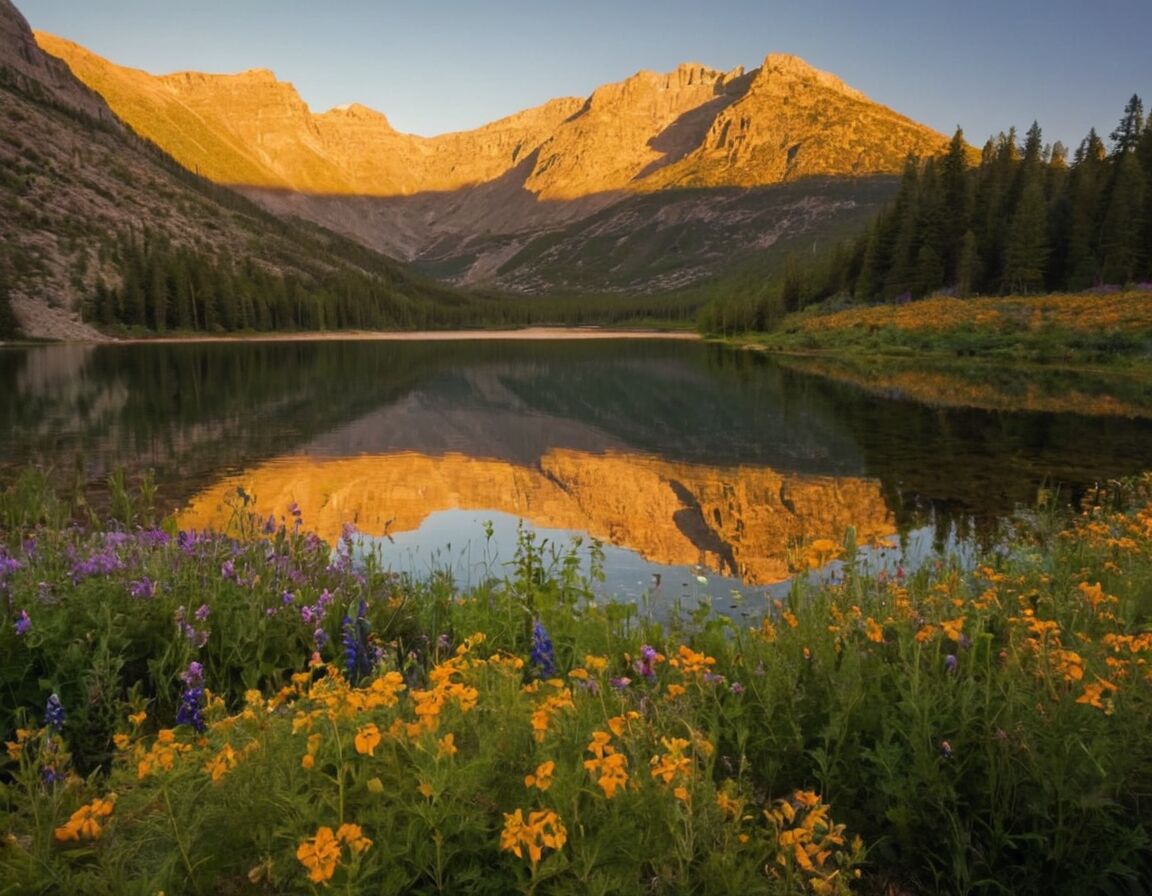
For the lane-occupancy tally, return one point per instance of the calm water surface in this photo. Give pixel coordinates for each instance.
(703, 470)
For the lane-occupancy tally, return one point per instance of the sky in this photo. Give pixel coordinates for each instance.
(433, 66)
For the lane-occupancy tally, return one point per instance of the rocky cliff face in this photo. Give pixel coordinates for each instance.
(739, 521)
(465, 204)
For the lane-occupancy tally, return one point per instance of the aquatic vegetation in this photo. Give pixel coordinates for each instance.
(937, 730)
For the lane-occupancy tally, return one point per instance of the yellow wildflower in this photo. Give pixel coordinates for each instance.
(542, 830)
(541, 779)
(320, 855)
(85, 821)
(354, 837)
(446, 746)
(367, 739)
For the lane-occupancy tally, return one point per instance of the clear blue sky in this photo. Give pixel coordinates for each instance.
(440, 65)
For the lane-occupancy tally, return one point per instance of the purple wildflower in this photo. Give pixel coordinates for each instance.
(142, 589)
(543, 656)
(287, 597)
(359, 656)
(646, 665)
(190, 711)
(736, 688)
(620, 683)
(101, 563)
(950, 662)
(54, 714)
(152, 538)
(23, 624)
(270, 525)
(194, 675)
(203, 612)
(713, 678)
(320, 637)
(228, 570)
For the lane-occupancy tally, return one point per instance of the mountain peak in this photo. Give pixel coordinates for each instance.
(359, 113)
(784, 67)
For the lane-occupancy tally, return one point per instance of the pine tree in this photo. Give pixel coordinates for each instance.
(1085, 185)
(968, 265)
(1127, 134)
(957, 203)
(1121, 232)
(1026, 247)
(9, 324)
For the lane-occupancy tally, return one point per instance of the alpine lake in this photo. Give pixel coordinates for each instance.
(693, 473)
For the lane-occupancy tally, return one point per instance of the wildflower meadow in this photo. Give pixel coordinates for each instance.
(257, 711)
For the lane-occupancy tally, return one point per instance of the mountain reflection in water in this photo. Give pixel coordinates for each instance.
(741, 521)
(687, 453)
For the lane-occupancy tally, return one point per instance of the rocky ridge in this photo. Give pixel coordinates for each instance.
(466, 205)
(74, 180)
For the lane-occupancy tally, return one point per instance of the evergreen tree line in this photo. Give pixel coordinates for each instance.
(165, 287)
(1023, 219)
(170, 288)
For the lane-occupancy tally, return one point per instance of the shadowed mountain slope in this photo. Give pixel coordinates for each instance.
(77, 186)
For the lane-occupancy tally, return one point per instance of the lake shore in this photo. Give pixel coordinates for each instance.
(542, 334)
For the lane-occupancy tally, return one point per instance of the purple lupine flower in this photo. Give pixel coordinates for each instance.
(287, 597)
(270, 525)
(543, 656)
(324, 599)
(646, 665)
(194, 675)
(950, 663)
(142, 589)
(307, 615)
(736, 688)
(190, 711)
(23, 624)
(443, 642)
(54, 713)
(320, 637)
(228, 570)
(359, 655)
(202, 612)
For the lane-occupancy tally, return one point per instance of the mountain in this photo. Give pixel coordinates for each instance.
(548, 199)
(85, 202)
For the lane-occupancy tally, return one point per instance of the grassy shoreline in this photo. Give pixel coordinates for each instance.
(255, 711)
(1113, 329)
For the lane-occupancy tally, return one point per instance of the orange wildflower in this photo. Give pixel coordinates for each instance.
(320, 855)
